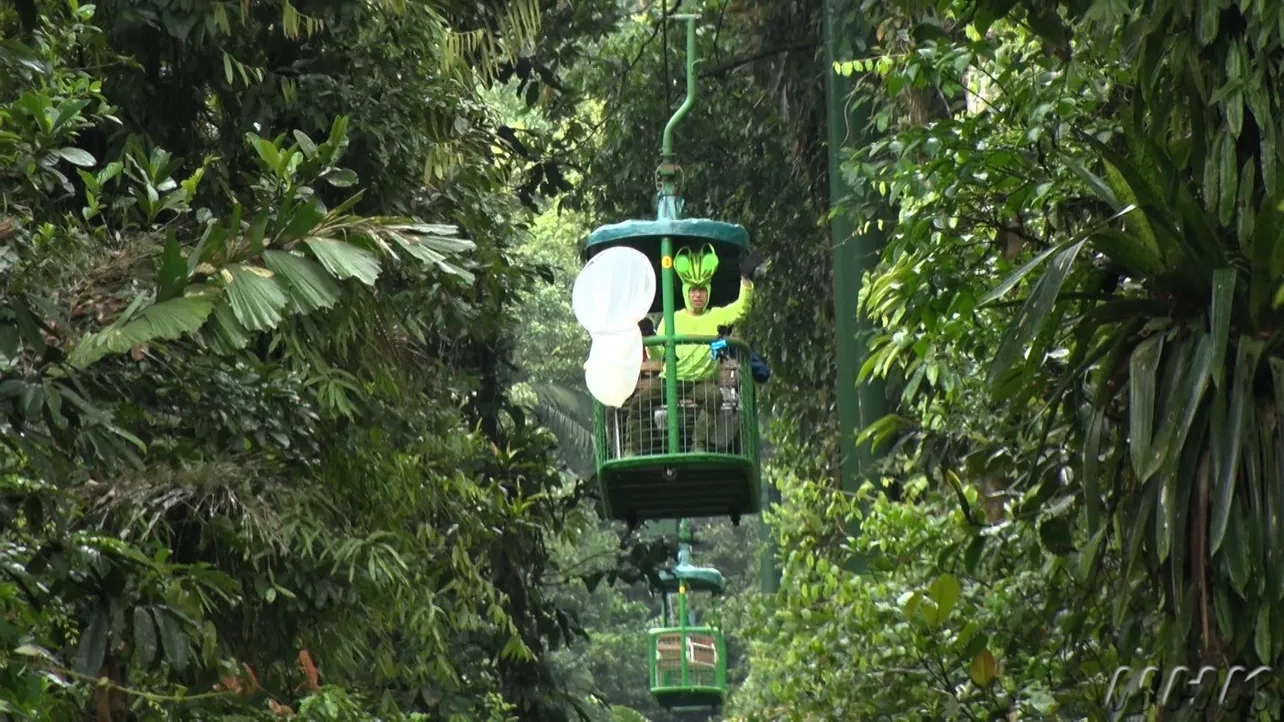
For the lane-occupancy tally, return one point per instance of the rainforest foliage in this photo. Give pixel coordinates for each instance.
(257, 289)
(291, 421)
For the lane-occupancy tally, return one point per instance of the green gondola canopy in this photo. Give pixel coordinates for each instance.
(697, 579)
(729, 240)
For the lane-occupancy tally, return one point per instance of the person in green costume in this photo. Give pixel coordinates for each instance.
(697, 370)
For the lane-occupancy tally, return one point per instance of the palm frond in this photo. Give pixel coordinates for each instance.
(568, 413)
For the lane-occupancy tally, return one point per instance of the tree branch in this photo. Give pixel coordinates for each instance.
(734, 63)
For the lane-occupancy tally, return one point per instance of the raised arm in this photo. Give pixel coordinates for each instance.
(734, 312)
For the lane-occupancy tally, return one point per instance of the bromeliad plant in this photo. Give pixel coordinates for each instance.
(1135, 394)
(1193, 355)
(1175, 382)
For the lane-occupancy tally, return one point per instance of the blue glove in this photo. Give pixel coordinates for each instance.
(717, 347)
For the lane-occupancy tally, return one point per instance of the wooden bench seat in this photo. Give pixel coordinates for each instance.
(702, 651)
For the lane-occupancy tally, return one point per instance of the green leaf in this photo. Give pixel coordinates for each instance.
(1088, 555)
(76, 156)
(93, 644)
(30, 329)
(1207, 17)
(1142, 368)
(1210, 177)
(429, 247)
(1129, 250)
(226, 333)
(1011, 281)
(1174, 500)
(254, 295)
(1245, 213)
(8, 258)
(972, 555)
(1099, 186)
(1091, 464)
(31, 650)
(972, 640)
(308, 147)
(1136, 223)
(311, 288)
(212, 243)
(144, 635)
(987, 11)
(266, 149)
(1033, 313)
(1179, 416)
(1228, 462)
(1262, 635)
(347, 205)
(341, 178)
(945, 592)
(626, 714)
(1220, 316)
(173, 639)
(1045, 21)
(1056, 535)
(171, 276)
(302, 221)
(1184, 224)
(1267, 256)
(174, 318)
(9, 341)
(1228, 174)
(1236, 552)
(168, 320)
(345, 260)
(983, 668)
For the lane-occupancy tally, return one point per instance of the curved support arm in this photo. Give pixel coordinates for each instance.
(666, 147)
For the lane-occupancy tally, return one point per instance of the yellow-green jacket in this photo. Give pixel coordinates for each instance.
(695, 361)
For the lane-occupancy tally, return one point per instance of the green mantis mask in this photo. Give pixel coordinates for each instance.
(695, 269)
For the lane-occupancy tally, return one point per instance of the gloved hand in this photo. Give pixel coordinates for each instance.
(646, 326)
(750, 263)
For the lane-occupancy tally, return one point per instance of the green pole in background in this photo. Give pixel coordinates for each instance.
(854, 253)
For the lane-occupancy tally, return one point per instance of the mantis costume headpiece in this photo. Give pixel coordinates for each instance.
(695, 269)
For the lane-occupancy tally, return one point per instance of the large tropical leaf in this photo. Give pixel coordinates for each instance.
(345, 260)
(1033, 313)
(165, 320)
(432, 243)
(342, 246)
(311, 288)
(256, 298)
(224, 333)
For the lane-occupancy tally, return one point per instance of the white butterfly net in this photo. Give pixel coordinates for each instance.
(611, 295)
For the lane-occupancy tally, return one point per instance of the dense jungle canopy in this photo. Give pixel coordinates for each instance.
(292, 417)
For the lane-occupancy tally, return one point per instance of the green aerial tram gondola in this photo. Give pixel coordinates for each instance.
(691, 448)
(676, 426)
(688, 652)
